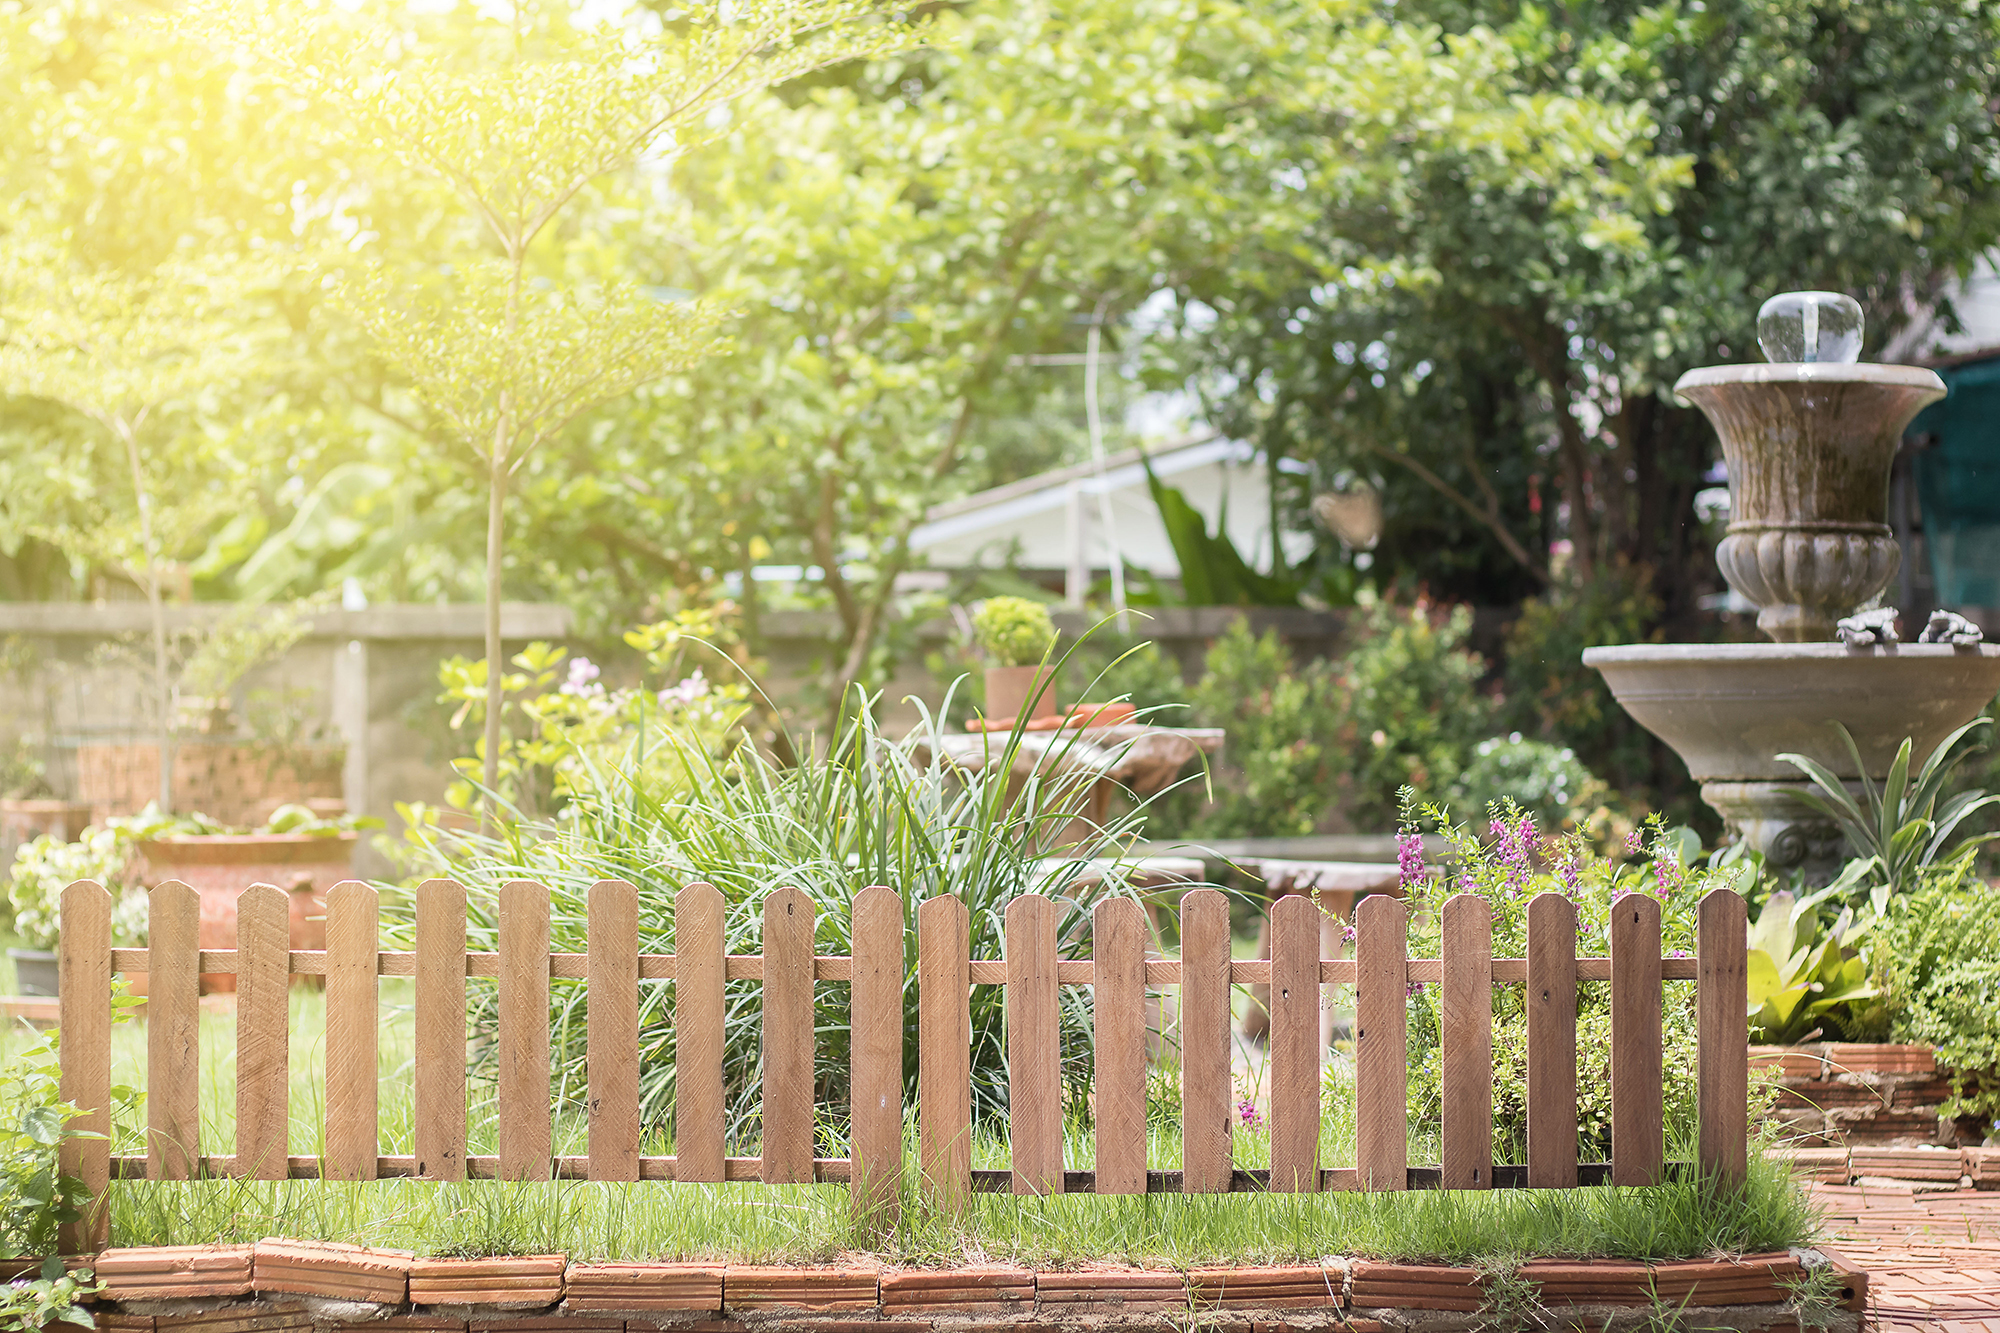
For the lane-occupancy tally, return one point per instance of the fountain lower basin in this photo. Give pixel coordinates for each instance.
(1729, 709)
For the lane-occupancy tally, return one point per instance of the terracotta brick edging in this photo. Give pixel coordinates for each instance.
(547, 1294)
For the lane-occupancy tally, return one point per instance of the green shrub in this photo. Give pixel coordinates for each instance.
(1413, 710)
(35, 1198)
(1936, 955)
(1514, 863)
(1013, 630)
(46, 866)
(1544, 780)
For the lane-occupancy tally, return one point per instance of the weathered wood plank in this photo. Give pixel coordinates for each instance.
(1723, 1060)
(876, 1008)
(83, 970)
(439, 1111)
(698, 971)
(1638, 1124)
(1119, 938)
(611, 1043)
(525, 1134)
(1294, 1037)
(1034, 1053)
(173, 1032)
(1466, 1023)
(263, 983)
(1206, 1119)
(789, 920)
(1551, 1000)
(944, 1050)
(353, 1026)
(1381, 1043)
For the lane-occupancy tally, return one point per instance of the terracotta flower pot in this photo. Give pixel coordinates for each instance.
(21, 822)
(220, 866)
(1009, 690)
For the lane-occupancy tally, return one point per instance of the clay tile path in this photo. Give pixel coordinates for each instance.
(1933, 1259)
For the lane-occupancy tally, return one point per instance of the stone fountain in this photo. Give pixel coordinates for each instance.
(1809, 439)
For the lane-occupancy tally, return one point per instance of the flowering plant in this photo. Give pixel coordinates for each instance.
(46, 866)
(1513, 863)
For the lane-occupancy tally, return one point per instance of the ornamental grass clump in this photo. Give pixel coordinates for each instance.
(1509, 866)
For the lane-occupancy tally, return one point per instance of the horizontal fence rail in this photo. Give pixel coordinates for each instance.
(1119, 972)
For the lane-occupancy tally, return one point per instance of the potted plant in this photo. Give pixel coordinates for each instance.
(42, 870)
(1016, 635)
(29, 806)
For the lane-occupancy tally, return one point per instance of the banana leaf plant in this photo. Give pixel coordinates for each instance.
(1901, 830)
(1805, 977)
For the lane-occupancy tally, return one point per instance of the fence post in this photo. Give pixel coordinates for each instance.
(1118, 1006)
(1638, 1113)
(524, 1145)
(698, 975)
(263, 1031)
(1295, 1070)
(1722, 1034)
(1034, 1052)
(611, 1030)
(173, 1032)
(875, 1007)
(83, 961)
(944, 1050)
(439, 1112)
(353, 1022)
(787, 1093)
(1205, 1110)
(1551, 1002)
(1382, 1042)
(1465, 1020)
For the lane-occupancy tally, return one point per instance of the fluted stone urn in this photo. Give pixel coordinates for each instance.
(1809, 448)
(1809, 444)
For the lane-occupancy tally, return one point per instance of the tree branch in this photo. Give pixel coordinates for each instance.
(1488, 518)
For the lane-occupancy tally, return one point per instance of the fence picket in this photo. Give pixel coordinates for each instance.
(944, 1049)
(353, 1020)
(439, 1112)
(1638, 1152)
(1295, 1071)
(524, 1129)
(263, 981)
(789, 920)
(1551, 999)
(83, 963)
(1722, 1034)
(875, 1004)
(611, 1037)
(1034, 1054)
(173, 1032)
(1381, 1042)
(1118, 1001)
(1466, 1029)
(1205, 1042)
(698, 972)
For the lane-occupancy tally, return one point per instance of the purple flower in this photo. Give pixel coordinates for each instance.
(1571, 871)
(1246, 1111)
(1516, 850)
(1413, 990)
(1635, 840)
(1347, 932)
(582, 672)
(1668, 873)
(1410, 857)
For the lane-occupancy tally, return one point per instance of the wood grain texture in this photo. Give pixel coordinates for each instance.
(1381, 1043)
(1294, 1038)
(263, 1053)
(524, 1031)
(1638, 1129)
(1205, 1043)
(1034, 1054)
(1466, 1029)
(353, 1020)
(611, 1043)
(173, 1032)
(944, 1050)
(876, 1055)
(1118, 999)
(698, 968)
(788, 1037)
(439, 1112)
(1723, 1060)
(83, 969)
(1551, 1001)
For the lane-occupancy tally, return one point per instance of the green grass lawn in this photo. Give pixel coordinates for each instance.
(805, 1223)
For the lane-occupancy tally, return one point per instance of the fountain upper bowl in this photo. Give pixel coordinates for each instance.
(1729, 709)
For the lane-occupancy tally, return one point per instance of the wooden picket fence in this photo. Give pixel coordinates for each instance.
(1119, 971)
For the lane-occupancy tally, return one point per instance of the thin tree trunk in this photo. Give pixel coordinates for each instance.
(496, 693)
(163, 691)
